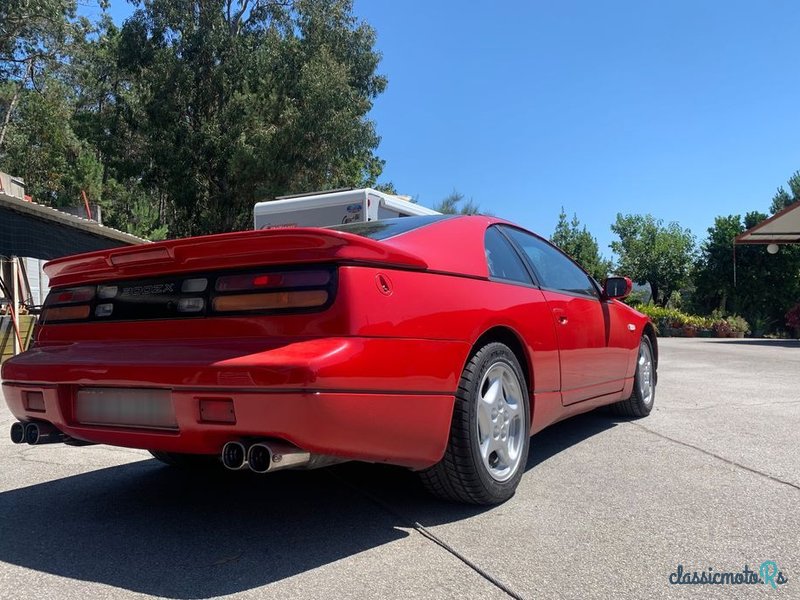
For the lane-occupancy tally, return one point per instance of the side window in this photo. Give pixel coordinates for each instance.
(555, 269)
(503, 261)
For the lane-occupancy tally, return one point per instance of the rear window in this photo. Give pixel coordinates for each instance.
(381, 230)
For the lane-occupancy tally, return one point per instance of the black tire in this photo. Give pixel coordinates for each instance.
(640, 403)
(187, 461)
(462, 475)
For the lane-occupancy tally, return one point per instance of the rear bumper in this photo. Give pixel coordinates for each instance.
(357, 398)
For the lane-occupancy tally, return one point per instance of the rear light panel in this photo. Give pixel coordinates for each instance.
(264, 291)
(67, 313)
(271, 301)
(262, 281)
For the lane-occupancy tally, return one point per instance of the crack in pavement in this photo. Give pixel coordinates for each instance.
(710, 406)
(430, 536)
(717, 456)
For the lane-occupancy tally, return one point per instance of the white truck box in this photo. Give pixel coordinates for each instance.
(334, 208)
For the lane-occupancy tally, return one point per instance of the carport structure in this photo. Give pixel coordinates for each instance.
(781, 228)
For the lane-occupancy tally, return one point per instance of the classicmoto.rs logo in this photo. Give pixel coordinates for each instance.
(768, 573)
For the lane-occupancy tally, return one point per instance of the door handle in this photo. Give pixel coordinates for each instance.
(560, 316)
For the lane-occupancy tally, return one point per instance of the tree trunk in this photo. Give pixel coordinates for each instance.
(656, 296)
(7, 118)
(14, 99)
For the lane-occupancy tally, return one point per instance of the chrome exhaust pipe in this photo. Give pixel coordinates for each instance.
(266, 457)
(43, 433)
(18, 433)
(259, 458)
(234, 456)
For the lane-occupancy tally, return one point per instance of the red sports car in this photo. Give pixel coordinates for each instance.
(438, 343)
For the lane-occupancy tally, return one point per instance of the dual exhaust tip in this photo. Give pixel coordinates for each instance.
(36, 433)
(263, 457)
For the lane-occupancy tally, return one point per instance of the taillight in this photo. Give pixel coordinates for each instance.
(66, 313)
(273, 290)
(258, 281)
(70, 304)
(73, 295)
(271, 301)
(262, 291)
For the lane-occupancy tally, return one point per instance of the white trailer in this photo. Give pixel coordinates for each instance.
(334, 208)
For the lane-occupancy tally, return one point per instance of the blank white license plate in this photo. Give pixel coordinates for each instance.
(125, 407)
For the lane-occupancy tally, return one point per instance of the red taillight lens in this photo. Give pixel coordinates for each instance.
(268, 280)
(271, 301)
(72, 295)
(289, 279)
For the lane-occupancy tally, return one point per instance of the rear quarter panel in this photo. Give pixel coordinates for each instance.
(434, 306)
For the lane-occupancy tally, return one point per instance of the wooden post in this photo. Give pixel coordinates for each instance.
(86, 205)
(14, 289)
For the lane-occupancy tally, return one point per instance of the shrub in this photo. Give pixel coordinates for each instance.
(689, 330)
(672, 317)
(738, 324)
(722, 328)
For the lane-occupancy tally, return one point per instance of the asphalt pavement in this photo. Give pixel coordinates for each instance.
(608, 508)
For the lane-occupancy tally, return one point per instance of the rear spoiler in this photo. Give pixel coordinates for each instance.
(283, 246)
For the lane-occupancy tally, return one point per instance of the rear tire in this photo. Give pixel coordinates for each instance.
(489, 434)
(187, 461)
(643, 396)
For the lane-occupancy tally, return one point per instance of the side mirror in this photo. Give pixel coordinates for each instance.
(617, 287)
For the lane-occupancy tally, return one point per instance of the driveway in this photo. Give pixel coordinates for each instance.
(607, 509)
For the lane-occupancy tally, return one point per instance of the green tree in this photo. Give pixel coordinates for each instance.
(650, 252)
(580, 245)
(247, 101)
(454, 204)
(782, 198)
(33, 38)
(714, 272)
(183, 118)
(42, 147)
(109, 116)
(37, 139)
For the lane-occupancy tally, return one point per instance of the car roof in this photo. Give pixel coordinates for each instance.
(454, 245)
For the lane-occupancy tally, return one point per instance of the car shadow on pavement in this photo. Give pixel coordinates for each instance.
(567, 433)
(152, 529)
(157, 530)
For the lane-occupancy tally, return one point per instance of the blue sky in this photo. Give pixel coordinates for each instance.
(686, 110)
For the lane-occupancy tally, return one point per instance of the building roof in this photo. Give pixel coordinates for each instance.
(781, 228)
(40, 211)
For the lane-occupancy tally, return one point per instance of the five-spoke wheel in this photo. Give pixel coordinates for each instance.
(641, 400)
(489, 435)
(500, 427)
